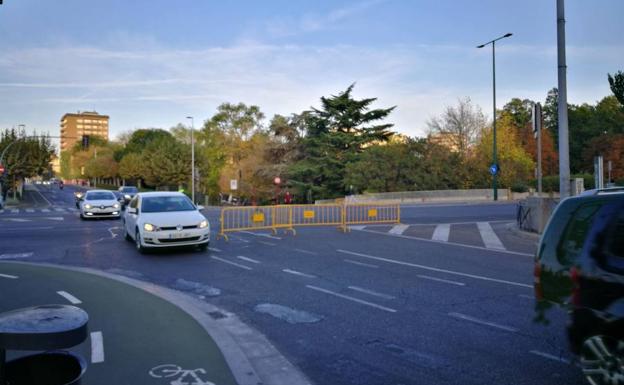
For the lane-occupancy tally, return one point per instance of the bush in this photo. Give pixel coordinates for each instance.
(551, 183)
(519, 188)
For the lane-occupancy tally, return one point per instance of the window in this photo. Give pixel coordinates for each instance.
(571, 243)
(100, 195)
(160, 204)
(134, 203)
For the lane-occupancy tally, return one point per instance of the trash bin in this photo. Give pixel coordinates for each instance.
(49, 368)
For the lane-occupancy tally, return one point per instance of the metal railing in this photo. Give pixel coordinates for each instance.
(289, 217)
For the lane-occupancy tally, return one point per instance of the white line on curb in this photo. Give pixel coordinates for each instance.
(490, 240)
(349, 298)
(436, 269)
(441, 232)
(294, 272)
(482, 322)
(441, 280)
(231, 263)
(73, 300)
(371, 292)
(9, 276)
(97, 347)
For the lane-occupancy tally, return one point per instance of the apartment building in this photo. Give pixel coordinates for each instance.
(74, 126)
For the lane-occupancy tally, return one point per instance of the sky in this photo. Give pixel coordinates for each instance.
(153, 63)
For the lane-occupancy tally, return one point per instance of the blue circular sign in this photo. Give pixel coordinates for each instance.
(494, 169)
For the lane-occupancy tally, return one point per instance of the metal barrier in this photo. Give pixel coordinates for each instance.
(290, 216)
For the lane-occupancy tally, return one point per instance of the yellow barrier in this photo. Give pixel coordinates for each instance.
(290, 216)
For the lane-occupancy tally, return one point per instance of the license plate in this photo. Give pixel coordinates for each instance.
(179, 235)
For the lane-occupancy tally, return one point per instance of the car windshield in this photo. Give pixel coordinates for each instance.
(129, 190)
(99, 196)
(163, 204)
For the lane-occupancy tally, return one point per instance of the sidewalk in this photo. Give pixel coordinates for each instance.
(147, 334)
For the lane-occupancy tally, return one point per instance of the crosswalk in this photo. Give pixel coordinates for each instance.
(47, 210)
(485, 235)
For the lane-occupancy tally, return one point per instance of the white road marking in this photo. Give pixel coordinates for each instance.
(45, 210)
(490, 240)
(239, 239)
(371, 292)
(357, 227)
(214, 249)
(550, 356)
(349, 298)
(435, 269)
(32, 228)
(247, 259)
(30, 210)
(526, 296)
(9, 276)
(361, 263)
(58, 209)
(306, 251)
(97, 347)
(261, 235)
(294, 272)
(441, 280)
(449, 243)
(482, 322)
(1, 211)
(231, 263)
(17, 220)
(14, 211)
(73, 300)
(398, 229)
(55, 218)
(16, 255)
(441, 232)
(267, 243)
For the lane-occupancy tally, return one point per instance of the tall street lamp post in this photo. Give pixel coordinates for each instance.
(192, 159)
(494, 167)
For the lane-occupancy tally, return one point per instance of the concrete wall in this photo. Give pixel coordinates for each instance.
(534, 212)
(428, 196)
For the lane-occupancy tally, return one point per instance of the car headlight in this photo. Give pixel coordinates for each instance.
(203, 224)
(149, 227)
(116, 206)
(87, 206)
(127, 196)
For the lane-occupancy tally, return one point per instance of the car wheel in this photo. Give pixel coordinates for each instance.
(137, 242)
(602, 360)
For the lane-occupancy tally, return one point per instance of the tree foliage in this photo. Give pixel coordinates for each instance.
(616, 82)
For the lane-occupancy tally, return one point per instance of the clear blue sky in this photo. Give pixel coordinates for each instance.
(152, 63)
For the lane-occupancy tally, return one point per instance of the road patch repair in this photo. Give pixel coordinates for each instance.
(149, 333)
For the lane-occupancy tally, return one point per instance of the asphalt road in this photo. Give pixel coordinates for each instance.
(444, 299)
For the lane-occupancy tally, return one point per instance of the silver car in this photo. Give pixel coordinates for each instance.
(99, 204)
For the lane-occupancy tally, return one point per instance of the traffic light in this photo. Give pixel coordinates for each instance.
(85, 141)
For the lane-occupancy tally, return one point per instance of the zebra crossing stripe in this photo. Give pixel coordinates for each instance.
(489, 237)
(441, 232)
(398, 229)
(45, 210)
(30, 210)
(14, 211)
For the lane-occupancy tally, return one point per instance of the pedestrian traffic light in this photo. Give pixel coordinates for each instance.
(85, 141)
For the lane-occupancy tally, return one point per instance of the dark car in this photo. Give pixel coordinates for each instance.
(580, 266)
(128, 192)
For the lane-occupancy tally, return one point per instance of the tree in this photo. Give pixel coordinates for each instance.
(550, 112)
(611, 147)
(335, 136)
(141, 138)
(167, 162)
(458, 125)
(616, 82)
(131, 167)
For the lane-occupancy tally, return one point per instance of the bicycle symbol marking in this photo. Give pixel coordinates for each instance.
(182, 376)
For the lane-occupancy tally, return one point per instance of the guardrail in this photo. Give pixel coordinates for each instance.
(288, 217)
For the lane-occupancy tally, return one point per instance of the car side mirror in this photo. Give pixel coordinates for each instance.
(199, 207)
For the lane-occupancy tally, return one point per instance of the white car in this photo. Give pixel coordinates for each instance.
(98, 204)
(165, 219)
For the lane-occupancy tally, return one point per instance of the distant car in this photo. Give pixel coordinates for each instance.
(580, 266)
(98, 204)
(128, 192)
(165, 219)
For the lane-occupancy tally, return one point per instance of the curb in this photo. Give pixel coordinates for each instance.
(513, 227)
(252, 359)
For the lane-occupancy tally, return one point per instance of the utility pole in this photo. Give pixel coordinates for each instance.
(562, 107)
(192, 159)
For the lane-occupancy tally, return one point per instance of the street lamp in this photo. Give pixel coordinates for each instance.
(192, 159)
(494, 168)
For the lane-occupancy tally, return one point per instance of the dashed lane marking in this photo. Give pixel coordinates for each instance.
(550, 356)
(441, 280)
(490, 240)
(353, 299)
(231, 263)
(14, 211)
(388, 260)
(16, 255)
(97, 347)
(361, 263)
(295, 272)
(30, 210)
(306, 251)
(9, 276)
(214, 249)
(73, 300)
(371, 292)
(261, 235)
(45, 210)
(441, 232)
(268, 243)
(242, 258)
(398, 229)
(482, 322)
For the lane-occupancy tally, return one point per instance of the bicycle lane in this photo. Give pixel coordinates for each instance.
(136, 337)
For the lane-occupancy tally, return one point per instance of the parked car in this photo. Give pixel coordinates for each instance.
(165, 219)
(580, 266)
(99, 203)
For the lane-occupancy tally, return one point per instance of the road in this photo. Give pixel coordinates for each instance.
(445, 298)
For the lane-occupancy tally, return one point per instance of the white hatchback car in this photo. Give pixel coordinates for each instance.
(165, 219)
(99, 203)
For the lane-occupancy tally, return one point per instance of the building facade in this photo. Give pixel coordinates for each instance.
(74, 126)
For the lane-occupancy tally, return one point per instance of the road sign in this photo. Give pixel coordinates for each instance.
(233, 184)
(494, 169)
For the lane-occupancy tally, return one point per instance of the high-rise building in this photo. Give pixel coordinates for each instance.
(74, 126)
